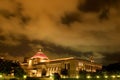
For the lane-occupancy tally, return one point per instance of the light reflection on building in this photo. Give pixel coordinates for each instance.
(39, 65)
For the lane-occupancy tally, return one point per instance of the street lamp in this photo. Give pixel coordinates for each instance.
(88, 77)
(1, 76)
(97, 76)
(24, 76)
(77, 76)
(118, 76)
(106, 76)
(113, 76)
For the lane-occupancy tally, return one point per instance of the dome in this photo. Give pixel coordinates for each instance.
(39, 55)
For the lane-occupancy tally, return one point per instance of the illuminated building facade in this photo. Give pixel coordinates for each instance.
(39, 65)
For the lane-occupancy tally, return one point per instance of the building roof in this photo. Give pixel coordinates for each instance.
(40, 55)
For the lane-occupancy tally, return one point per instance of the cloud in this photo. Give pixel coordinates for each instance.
(111, 57)
(10, 57)
(44, 23)
(80, 25)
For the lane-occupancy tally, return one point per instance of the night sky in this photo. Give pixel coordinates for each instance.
(61, 28)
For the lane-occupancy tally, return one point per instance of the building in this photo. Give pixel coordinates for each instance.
(40, 65)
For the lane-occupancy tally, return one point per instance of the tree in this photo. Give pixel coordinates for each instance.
(9, 66)
(19, 72)
(5, 66)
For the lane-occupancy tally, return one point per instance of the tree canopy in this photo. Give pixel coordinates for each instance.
(10, 66)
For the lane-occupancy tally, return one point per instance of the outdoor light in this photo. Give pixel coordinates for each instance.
(51, 75)
(24, 76)
(64, 77)
(88, 77)
(118, 76)
(113, 76)
(77, 76)
(1, 76)
(97, 76)
(106, 76)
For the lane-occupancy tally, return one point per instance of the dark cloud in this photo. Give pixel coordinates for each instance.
(111, 57)
(56, 49)
(93, 5)
(70, 18)
(19, 13)
(28, 48)
(101, 35)
(104, 14)
(15, 50)
(16, 12)
(97, 5)
(6, 14)
(61, 28)
(102, 7)
(2, 38)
